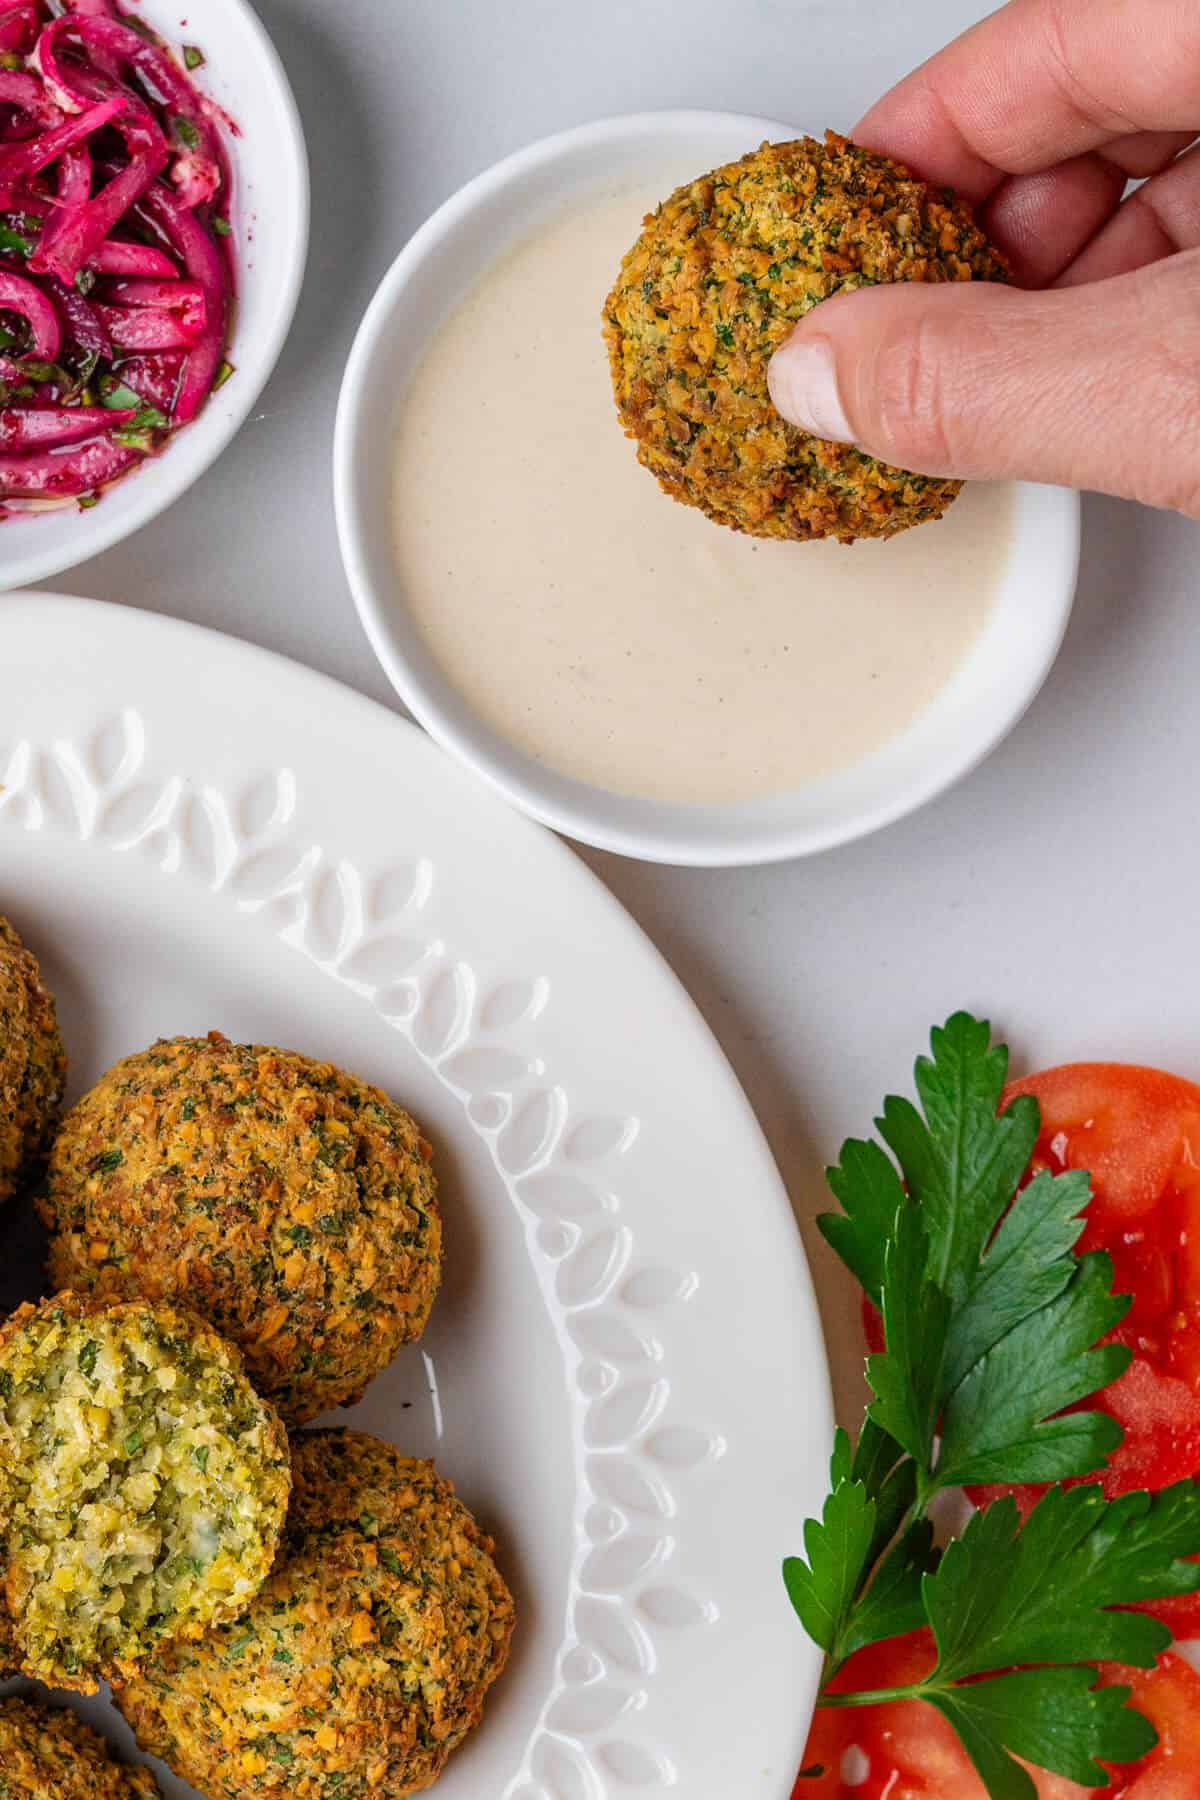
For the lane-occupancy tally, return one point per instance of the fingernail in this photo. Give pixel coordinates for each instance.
(803, 382)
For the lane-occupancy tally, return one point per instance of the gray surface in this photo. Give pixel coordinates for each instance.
(1057, 888)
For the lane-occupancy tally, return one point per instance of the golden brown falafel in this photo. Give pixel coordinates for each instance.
(10, 1656)
(48, 1754)
(143, 1482)
(288, 1202)
(365, 1659)
(721, 273)
(33, 1064)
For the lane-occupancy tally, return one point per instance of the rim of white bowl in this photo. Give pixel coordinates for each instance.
(703, 837)
(159, 485)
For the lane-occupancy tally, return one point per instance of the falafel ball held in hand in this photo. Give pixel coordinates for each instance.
(33, 1064)
(1086, 371)
(720, 275)
(291, 1204)
(143, 1483)
(365, 1660)
(47, 1753)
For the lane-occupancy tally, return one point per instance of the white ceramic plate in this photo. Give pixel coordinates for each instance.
(243, 74)
(624, 1374)
(432, 274)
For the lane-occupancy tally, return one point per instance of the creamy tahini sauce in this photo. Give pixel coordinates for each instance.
(608, 631)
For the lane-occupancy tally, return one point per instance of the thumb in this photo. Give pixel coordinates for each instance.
(1094, 386)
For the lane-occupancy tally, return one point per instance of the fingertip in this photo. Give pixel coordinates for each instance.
(802, 379)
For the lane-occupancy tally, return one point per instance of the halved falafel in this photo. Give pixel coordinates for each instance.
(365, 1659)
(290, 1203)
(721, 273)
(46, 1753)
(33, 1064)
(143, 1483)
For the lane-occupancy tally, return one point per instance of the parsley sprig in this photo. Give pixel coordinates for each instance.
(992, 1325)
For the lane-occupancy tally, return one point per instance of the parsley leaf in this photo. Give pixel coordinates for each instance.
(1028, 1265)
(895, 1601)
(1055, 1718)
(823, 1590)
(1077, 1556)
(871, 1193)
(906, 1378)
(961, 1161)
(997, 1424)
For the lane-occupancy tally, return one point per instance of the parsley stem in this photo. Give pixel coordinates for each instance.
(875, 1696)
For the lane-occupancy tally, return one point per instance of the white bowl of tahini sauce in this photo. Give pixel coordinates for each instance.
(618, 665)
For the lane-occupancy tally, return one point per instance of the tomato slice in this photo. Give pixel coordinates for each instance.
(1138, 1132)
(907, 1751)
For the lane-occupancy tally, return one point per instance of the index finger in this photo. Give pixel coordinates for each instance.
(1039, 82)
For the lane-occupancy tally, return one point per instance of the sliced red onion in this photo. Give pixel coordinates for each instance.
(75, 232)
(28, 95)
(62, 474)
(158, 320)
(116, 257)
(39, 427)
(19, 161)
(18, 27)
(200, 167)
(85, 328)
(140, 328)
(75, 175)
(185, 297)
(154, 378)
(204, 264)
(21, 296)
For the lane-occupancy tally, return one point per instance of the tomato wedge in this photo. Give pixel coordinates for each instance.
(1138, 1132)
(907, 1751)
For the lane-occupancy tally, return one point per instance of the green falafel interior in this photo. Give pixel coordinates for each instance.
(143, 1483)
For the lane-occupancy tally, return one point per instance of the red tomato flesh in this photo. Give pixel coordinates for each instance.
(905, 1750)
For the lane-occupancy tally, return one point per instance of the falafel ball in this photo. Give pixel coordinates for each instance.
(721, 273)
(365, 1659)
(288, 1202)
(33, 1064)
(143, 1483)
(10, 1655)
(46, 1753)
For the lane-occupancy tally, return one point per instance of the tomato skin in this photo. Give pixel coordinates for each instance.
(907, 1751)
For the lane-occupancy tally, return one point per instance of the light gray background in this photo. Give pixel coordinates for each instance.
(1058, 888)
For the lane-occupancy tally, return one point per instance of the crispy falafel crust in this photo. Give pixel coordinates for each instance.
(143, 1483)
(287, 1201)
(33, 1064)
(49, 1754)
(365, 1659)
(721, 273)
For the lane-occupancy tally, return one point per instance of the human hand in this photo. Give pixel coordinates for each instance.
(1088, 372)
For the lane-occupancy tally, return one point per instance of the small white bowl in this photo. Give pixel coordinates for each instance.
(243, 73)
(434, 271)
